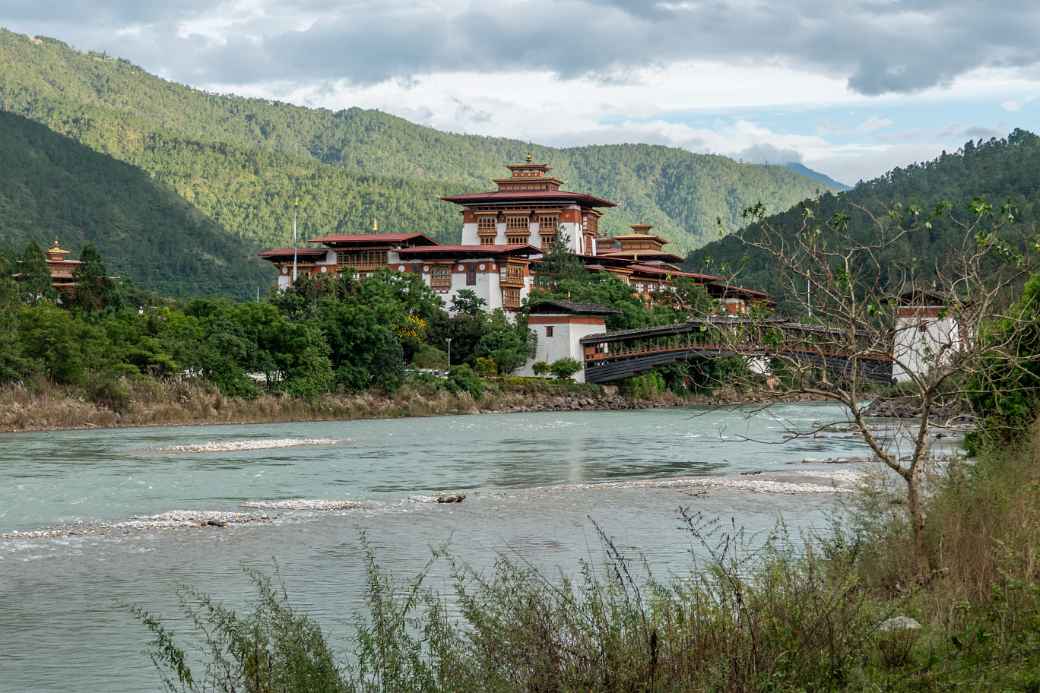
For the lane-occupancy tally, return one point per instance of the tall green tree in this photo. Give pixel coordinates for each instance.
(95, 290)
(34, 276)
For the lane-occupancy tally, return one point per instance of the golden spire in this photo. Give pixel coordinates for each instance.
(530, 156)
(375, 226)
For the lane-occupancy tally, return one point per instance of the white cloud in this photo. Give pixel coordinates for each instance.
(875, 123)
(706, 76)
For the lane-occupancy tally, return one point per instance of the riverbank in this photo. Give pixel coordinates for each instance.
(146, 402)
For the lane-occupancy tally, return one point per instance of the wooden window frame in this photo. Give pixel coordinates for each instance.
(361, 260)
(440, 277)
(511, 298)
(516, 223)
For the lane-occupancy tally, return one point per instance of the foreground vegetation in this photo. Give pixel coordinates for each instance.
(824, 618)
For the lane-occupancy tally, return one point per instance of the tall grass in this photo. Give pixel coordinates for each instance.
(783, 618)
(143, 401)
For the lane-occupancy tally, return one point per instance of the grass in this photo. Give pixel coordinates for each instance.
(143, 401)
(779, 620)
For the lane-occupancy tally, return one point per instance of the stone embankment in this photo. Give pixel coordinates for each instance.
(909, 407)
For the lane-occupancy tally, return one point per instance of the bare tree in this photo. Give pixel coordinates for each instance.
(859, 313)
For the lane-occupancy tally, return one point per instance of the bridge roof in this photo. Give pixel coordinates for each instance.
(678, 328)
(722, 321)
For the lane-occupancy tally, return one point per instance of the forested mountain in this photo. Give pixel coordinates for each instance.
(998, 171)
(52, 187)
(821, 178)
(240, 161)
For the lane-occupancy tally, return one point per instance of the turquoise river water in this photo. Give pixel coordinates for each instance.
(91, 521)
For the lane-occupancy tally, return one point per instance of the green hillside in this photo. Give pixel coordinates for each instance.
(238, 160)
(54, 187)
(999, 171)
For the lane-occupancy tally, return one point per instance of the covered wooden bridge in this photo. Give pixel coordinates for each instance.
(612, 356)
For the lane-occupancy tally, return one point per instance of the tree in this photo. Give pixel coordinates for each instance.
(565, 368)
(95, 291)
(34, 276)
(688, 299)
(508, 344)
(1005, 391)
(852, 294)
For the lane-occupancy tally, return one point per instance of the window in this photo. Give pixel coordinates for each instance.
(516, 238)
(518, 225)
(511, 298)
(513, 273)
(471, 276)
(361, 259)
(440, 277)
(591, 224)
(486, 224)
(487, 240)
(548, 330)
(548, 224)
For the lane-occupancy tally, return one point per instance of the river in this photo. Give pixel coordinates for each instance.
(94, 520)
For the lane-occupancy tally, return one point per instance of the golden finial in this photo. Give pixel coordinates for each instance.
(530, 157)
(375, 225)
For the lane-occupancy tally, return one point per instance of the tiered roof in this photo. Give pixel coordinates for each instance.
(468, 251)
(529, 182)
(373, 239)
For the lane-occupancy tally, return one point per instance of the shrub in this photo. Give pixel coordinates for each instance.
(430, 357)
(644, 386)
(540, 368)
(485, 366)
(464, 379)
(110, 391)
(565, 368)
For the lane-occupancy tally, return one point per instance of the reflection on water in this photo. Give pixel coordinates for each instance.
(533, 481)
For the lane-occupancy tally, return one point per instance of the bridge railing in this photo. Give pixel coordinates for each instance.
(809, 346)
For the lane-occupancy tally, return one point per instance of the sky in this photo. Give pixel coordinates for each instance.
(851, 89)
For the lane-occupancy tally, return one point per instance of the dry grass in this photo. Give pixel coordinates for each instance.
(149, 402)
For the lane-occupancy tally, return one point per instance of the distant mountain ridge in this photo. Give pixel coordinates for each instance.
(997, 170)
(241, 162)
(822, 178)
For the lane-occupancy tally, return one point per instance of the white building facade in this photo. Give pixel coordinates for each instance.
(559, 327)
(925, 336)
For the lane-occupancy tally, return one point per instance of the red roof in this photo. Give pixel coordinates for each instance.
(636, 254)
(288, 252)
(738, 291)
(469, 250)
(528, 196)
(667, 271)
(373, 239)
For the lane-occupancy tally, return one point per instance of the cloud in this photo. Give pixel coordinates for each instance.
(877, 46)
(875, 123)
(765, 153)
